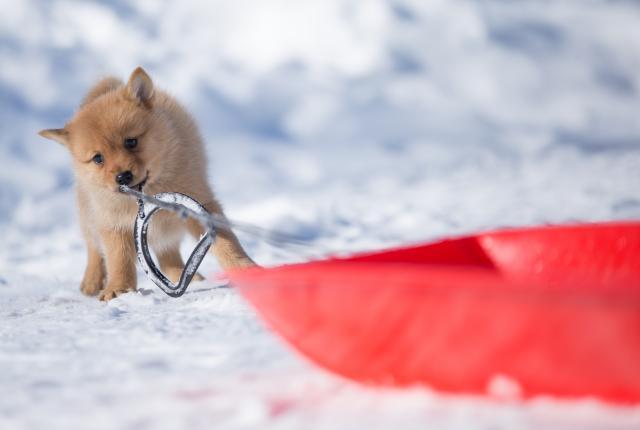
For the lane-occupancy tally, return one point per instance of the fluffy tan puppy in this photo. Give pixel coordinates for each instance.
(136, 135)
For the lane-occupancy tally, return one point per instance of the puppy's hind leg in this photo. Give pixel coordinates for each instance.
(226, 247)
(172, 265)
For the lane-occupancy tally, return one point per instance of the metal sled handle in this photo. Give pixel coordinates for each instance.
(145, 212)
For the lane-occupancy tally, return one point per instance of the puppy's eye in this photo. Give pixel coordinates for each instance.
(130, 142)
(98, 158)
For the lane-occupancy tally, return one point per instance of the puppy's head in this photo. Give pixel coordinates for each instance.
(111, 137)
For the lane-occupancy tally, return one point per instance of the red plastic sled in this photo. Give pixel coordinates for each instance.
(553, 310)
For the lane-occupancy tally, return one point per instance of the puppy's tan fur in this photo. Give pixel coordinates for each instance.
(169, 153)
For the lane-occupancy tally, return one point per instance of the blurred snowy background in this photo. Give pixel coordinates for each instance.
(352, 123)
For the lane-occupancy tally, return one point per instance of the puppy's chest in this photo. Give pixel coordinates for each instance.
(165, 230)
(117, 214)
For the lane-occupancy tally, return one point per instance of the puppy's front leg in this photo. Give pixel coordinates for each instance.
(120, 256)
(94, 274)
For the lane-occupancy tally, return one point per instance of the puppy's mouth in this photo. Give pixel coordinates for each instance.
(141, 184)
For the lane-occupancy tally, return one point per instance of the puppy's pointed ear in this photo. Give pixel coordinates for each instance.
(60, 135)
(140, 86)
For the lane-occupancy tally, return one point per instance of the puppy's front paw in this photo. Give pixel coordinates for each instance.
(112, 292)
(92, 284)
(90, 289)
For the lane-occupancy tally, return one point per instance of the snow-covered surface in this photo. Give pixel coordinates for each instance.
(352, 124)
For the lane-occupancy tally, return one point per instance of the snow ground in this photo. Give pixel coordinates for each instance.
(352, 124)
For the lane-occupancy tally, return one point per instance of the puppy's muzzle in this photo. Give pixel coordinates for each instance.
(124, 178)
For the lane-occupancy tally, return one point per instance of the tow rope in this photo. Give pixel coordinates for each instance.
(187, 207)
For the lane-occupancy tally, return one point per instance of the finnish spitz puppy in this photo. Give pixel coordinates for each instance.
(134, 134)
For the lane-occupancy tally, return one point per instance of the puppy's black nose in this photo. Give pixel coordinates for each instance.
(124, 178)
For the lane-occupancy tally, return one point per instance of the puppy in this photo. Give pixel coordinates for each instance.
(133, 134)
